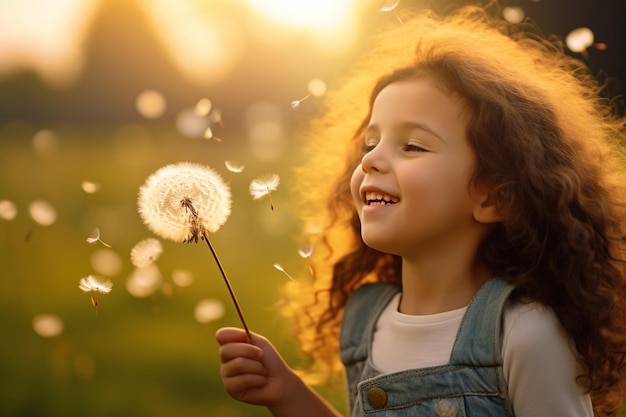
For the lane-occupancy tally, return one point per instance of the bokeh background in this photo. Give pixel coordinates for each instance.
(96, 95)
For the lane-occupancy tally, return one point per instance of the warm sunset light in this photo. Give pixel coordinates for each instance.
(204, 42)
(44, 35)
(318, 15)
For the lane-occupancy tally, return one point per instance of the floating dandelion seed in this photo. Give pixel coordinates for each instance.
(305, 252)
(513, 14)
(93, 284)
(391, 6)
(263, 186)
(203, 107)
(8, 210)
(581, 39)
(234, 166)
(106, 262)
(316, 87)
(47, 325)
(216, 118)
(150, 104)
(295, 104)
(209, 310)
(184, 202)
(281, 269)
(146, 252)
(42, 212)
(208, 134)
(144, 281)
(94, 237)
(90, 187)
(182, 277)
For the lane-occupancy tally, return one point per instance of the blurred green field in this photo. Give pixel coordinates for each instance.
(139, 357)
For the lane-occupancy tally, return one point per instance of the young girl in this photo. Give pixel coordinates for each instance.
(472, 259)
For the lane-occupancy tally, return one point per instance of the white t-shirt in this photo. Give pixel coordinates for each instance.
(539, 366)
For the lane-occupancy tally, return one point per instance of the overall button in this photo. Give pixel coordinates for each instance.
(377, 398)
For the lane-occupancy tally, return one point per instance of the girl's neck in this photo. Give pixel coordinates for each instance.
(434, 287)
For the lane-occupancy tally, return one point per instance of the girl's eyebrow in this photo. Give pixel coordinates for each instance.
(406, 127)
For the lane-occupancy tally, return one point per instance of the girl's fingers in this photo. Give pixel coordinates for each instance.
(231, 335)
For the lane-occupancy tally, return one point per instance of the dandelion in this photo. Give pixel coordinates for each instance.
(263, 186)
(94, 237)
(93, 284)
(146, 252)
(281, 269)
(184, 202)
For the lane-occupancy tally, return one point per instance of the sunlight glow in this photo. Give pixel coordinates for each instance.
(44, 35)
(205, 46)
(314, 14)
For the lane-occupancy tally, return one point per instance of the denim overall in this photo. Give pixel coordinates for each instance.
(471, 385)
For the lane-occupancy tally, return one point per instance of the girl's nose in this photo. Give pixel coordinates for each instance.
(375, 161)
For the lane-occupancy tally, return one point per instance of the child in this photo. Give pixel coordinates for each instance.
(472, 262)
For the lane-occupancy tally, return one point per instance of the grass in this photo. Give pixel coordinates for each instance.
(133, 358)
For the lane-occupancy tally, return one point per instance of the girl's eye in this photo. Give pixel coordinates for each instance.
(367, 147)
(412, 147)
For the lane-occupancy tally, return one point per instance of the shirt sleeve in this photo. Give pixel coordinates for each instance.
(540, 366)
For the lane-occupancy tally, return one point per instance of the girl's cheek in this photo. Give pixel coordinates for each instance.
(355, 184)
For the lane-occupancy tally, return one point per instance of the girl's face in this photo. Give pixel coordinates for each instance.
(411, 189)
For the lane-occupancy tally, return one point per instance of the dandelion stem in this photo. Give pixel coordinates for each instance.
(229, 286)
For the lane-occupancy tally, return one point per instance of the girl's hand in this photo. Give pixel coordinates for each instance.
(253, 373)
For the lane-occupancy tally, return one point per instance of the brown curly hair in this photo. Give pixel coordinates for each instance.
(546, 143)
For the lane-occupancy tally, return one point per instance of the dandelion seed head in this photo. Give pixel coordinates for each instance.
(144, 281)
(209, 310)
(146, 252)
(183, 201)
(234, 166)
(91, 283)
(47, 325)
(262, 186)
(8, 210)
(42, 212)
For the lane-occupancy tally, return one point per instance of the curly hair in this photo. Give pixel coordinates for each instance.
(546, 143)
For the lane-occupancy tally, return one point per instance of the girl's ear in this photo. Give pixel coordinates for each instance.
(486, 211)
